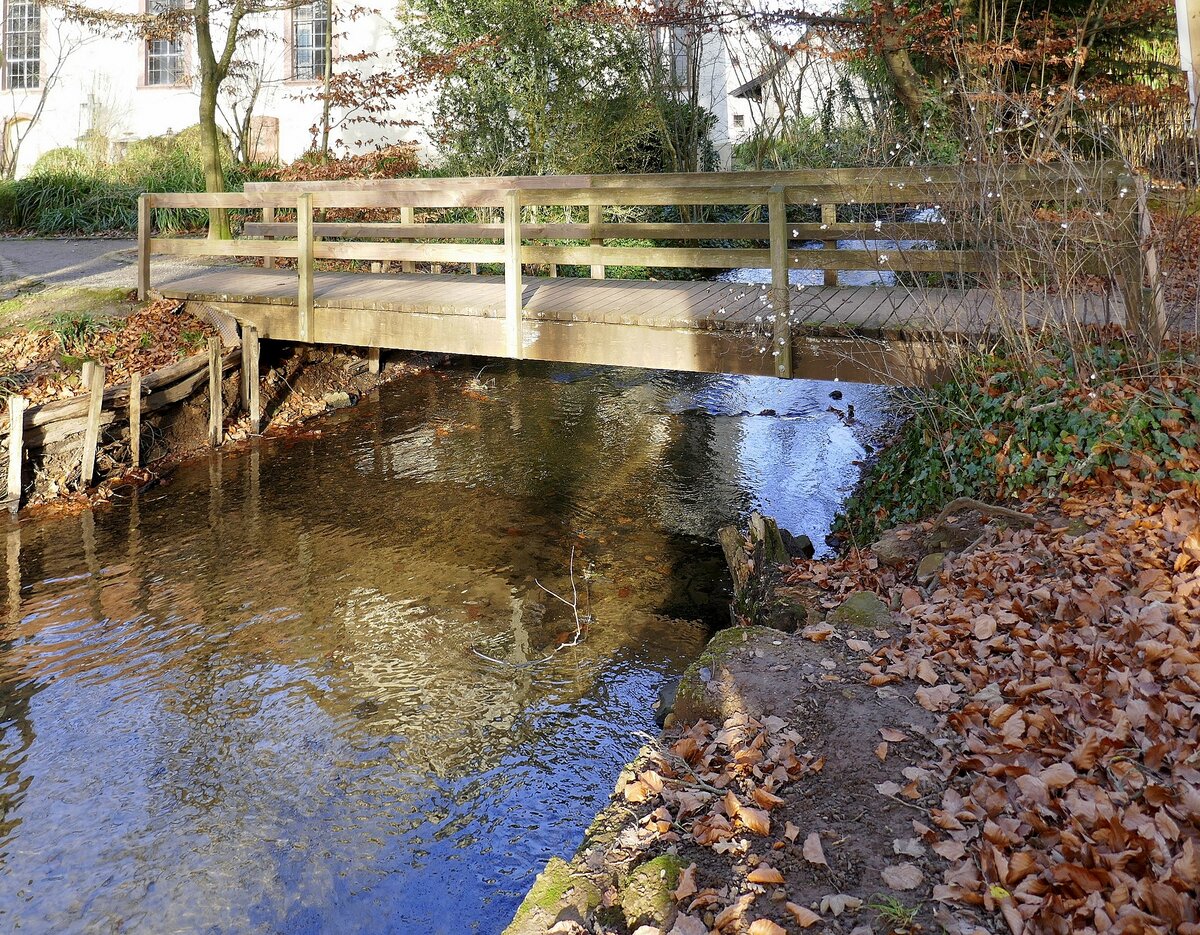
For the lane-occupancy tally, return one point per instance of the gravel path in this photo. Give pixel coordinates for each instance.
(90, 263)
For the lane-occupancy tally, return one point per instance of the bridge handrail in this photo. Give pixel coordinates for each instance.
(978, 186)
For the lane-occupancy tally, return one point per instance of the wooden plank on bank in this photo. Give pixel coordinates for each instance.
(135, 419)
(16, 449)
(94, 380)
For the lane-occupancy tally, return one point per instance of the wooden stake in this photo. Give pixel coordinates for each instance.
(16, 449)
(93, 378)
(250, 377)
(216, 404)
(780, 295)
(304, 265)
(135, 418)
(373, 362)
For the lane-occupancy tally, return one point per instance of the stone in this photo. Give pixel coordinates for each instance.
(559, 893)
(862, 610)
(337, 400)
(797, 546)
(891, 551)
(647, 898)
(665, 703)
(688, 925)
(929, 567)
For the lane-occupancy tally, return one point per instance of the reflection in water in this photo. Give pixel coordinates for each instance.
(255, 699)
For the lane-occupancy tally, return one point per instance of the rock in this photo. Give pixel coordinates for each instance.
(836, 394)
(862, 610)
(337, 400)
(688, 925)
(797, 546)
(647, 896)
(558, 894)
(666, 700)
(929, 567)
(891, 551)
(736, 674)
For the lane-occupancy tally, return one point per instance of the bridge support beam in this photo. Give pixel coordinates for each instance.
(780, 297)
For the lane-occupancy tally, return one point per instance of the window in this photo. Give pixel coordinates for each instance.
(308, 41)
(23, 44)
(164, 57)
(739, 120)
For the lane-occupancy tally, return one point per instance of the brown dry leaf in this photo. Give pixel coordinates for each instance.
(812, 850)
(790, 831)
(881, 751)
(902, 876)
(687, 884)
(755, 820)
(805, 918)
(891, 735)
(733, 912)
(767, 800)
(766, 927)
(985, 627)
(764, 874)
(818, 633)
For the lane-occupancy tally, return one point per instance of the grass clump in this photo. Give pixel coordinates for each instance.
(1022, 428)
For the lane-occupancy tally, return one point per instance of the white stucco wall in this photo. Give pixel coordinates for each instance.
(102, 85)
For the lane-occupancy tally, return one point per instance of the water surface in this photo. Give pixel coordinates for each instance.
(313, 686)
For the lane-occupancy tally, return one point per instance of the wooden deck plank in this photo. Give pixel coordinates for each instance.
(598, 320)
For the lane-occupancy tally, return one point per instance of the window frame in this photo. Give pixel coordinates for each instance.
(5, 73)
(184, 78)
(290, 42)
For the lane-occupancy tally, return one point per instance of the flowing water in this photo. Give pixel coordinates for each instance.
(313, 686)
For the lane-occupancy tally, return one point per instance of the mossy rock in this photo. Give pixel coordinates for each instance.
(862, 610)
(693, 701)
(930, 567)
(647, 896)
(558, 889)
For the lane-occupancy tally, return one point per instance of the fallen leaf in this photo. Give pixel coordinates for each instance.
(805, 918)
(766, 927)
(764, 874)
(755, 820)
(790, 831)
(812, 850)
(902, 876)
(837, 903)
(891, 735)
(687, 884)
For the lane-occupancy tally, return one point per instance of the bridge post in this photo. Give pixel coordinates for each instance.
(829, 219)
(145, 223)
(268, 215)
(407, 216)
(512, 271)
(780, 296)
(595, 219)
(304, 265)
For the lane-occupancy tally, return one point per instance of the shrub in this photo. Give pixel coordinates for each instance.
(1015, 431)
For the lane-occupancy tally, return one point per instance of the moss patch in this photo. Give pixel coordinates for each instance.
(556, 887)
(646, 898)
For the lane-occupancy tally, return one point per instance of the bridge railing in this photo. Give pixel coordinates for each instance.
(957, 203)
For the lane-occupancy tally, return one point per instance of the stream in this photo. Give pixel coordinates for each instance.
(313, 686)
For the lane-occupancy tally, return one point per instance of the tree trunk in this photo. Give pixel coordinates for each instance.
(210, 143)
(328, 76)
(910, 90)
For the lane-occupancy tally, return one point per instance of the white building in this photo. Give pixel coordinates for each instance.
(63, 85)
(115, 90)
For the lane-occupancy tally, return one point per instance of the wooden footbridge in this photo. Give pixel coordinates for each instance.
(471, 265)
